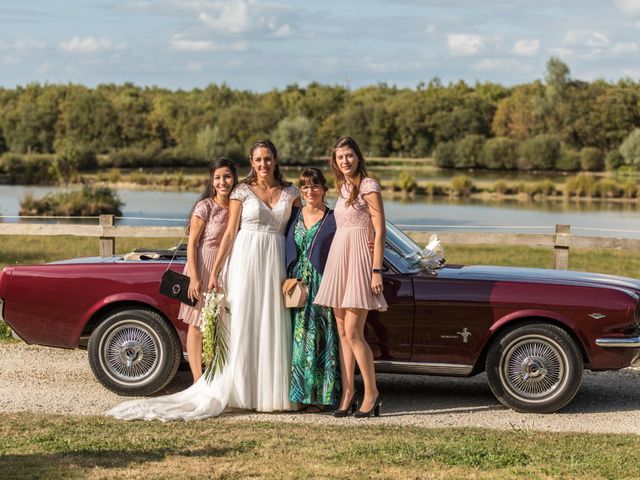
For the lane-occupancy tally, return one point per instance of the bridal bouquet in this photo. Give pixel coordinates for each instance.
(215, 335)
(433, 253)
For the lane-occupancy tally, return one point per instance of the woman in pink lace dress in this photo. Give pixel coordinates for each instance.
(208, 221)
(352, 281)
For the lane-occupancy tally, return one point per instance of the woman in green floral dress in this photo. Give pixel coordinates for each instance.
(315, 370)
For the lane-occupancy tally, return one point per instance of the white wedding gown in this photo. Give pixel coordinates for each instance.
(256, 375)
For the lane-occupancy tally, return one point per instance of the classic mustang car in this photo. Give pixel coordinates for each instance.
(533, 331)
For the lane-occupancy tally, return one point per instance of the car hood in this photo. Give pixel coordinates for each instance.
(538, 275)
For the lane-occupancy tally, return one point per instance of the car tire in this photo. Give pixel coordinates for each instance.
(134, 352)
(534, 368)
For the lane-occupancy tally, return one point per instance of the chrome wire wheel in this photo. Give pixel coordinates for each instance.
(534, 368)
(130, 352)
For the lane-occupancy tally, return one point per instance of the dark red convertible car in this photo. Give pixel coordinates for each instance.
(533, 331)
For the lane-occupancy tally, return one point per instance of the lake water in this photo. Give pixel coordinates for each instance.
(149, 207)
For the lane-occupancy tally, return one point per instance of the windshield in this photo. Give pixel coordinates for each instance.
(402, 243)
(406, 254)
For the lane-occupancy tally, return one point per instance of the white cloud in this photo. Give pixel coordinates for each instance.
(239, 17)
(90, 45)
(501, 64)
(180, 42)
(625, 47)
(560, 51)
(21, 45)
(629, 6)
(11, 60)
(464, 43)
(526, 48)
(44, 67)
(632, 73)
(194, 66)
(583, 37)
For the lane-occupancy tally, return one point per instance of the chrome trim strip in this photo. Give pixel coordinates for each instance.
(385, 366)
(619, 342)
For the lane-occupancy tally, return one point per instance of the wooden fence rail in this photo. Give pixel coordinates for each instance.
(560, 242)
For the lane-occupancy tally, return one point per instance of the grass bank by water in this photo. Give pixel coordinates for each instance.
(52, 446)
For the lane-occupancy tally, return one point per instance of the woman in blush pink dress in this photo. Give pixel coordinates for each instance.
(352, 281)
(208, 221)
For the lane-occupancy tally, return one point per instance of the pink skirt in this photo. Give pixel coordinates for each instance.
(206, 259)
(346, 282)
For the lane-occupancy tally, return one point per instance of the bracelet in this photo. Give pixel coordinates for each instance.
(376, 270)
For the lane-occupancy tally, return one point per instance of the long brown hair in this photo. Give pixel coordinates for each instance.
(361, 171)
(209, 191)
(252, 177)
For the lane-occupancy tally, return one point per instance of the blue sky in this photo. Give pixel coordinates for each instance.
(260, 45)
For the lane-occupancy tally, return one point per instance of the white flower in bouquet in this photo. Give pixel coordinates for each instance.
(433, 253)
(215, 335)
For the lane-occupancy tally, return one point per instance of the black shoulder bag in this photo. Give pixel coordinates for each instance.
(176, 285)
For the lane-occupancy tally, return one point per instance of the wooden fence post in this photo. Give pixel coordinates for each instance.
(561, 241)
(107, 244)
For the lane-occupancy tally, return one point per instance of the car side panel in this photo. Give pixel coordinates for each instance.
(390, 333)
(51, 304)
(446, 307)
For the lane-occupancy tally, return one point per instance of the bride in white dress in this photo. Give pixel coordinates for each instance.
(256, 375)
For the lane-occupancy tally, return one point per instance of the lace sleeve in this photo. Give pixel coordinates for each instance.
(202, 210)
(293, 191)
(239, 193)
(369, 185)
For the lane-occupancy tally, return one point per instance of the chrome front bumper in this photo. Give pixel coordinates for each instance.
(619, 342)
(1, 309)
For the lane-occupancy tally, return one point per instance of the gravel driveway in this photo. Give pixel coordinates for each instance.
(47, 380)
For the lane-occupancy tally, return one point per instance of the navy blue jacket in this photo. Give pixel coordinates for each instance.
(320, 250)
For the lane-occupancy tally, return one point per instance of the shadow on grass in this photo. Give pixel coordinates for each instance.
(72, 463)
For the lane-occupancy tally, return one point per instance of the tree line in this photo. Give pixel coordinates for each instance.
(558, 123)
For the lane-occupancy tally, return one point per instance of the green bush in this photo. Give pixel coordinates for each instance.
(500, 187)
(88, 201)
(500, 153)
(295, 140)
(210, 143)
(139, 177)
(432, 189)
(582, 185)
(461, 185)
(630, 148)
(614, 160)
(539, 153)
(545, 187)
(5, 331)
(445, 155)
(630, 188)
(569, 160)
(30, 169)
(591, 159)
(180, 157)
(607, 188)
(130, 157)
(468, 151)
(406, 182)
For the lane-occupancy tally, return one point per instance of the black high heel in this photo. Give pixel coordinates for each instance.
(353, 406)
(375, 410)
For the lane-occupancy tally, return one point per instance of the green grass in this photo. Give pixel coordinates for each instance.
(51, 446)
(613, 262)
